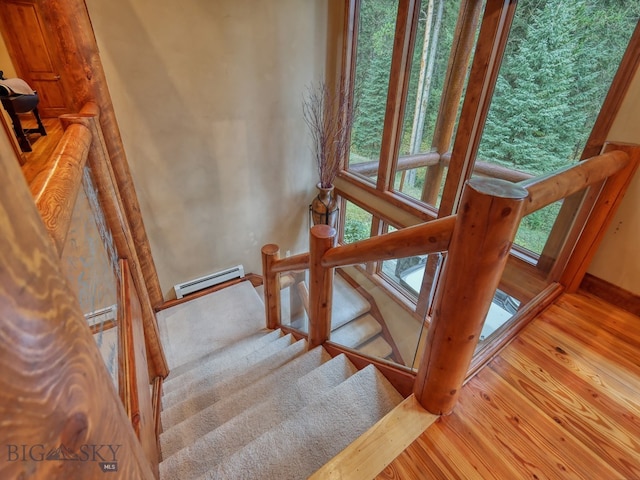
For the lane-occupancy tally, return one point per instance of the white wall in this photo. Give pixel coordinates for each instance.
(618, 259)
(208, 99)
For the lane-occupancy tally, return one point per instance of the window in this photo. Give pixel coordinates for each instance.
(447, 89)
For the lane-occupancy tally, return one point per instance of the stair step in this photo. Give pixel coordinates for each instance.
(220, 359)
(357, 332)
(207, 392)
(225, 408)
(347, 303)
(212, 375)
(225, 440)
(378, 348)
(312, 436)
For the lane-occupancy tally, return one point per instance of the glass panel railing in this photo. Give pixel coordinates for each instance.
(90, 265)
(294, 300)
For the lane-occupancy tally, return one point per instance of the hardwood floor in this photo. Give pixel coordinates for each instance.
(43, 146)
(561, 401)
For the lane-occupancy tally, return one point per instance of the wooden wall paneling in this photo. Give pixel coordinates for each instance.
(133, 378)
(83, 72)
(55, 189)
(54, 390)
(113, 205)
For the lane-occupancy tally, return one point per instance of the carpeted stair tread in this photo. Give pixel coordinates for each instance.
(211, 390)
(209, 374)
(347, 303)
(233, 435)
(240, 348)
(378, 348)
(192, 329)
(221, 359)
(357, 332)
(226, 407)
(310, 437)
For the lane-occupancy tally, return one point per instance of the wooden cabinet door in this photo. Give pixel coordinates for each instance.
(34, 59)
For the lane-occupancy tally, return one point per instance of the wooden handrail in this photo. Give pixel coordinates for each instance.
(423, 239)
(291, 264)
(55, 189)
(546, 189)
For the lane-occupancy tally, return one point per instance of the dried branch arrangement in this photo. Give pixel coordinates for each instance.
(329, 118)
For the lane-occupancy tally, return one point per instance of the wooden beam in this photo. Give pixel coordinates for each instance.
(55, 390)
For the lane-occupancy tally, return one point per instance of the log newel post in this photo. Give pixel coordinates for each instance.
(487, 220)
(322, 238)
(270, 255)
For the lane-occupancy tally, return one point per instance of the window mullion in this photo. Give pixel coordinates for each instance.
(408, 13)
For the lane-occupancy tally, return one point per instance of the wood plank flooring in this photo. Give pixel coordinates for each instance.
(561, 401)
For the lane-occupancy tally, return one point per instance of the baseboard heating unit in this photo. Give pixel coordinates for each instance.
(207, 281)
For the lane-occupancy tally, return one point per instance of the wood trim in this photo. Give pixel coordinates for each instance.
(113, 207)
(617, 92)
(400, 377)
(103, 326)
(611, 293)
(601, 216)
(254, 278)
(156, 402)
(133, 378)
(370, 453)
(78, 51)
(45, 341)
(55, 189)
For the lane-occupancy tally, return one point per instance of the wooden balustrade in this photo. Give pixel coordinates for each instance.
(478, 240)
(56, 394)
(271, 285)
(114, 210)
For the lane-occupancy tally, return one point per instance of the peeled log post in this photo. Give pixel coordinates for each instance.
(489, 215)
(271, 279)
(323, 237)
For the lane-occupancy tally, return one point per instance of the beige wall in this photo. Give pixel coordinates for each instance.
(208, 98)
(618, 259)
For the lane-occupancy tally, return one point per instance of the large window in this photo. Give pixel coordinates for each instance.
(447, 89)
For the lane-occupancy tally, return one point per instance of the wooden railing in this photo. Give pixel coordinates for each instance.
(478, 240)
(56, 394)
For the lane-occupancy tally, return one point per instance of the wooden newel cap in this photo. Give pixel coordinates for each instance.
(323, 231)
(496, 187)
(271, 249)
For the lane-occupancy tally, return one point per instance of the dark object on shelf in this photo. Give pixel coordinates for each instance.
(17, 97)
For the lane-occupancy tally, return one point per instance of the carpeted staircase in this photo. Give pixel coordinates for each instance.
(258, 404)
